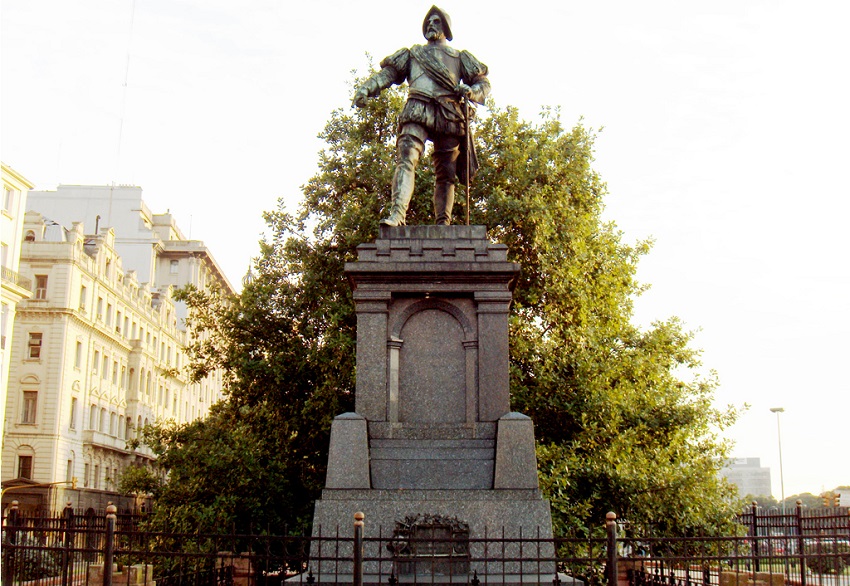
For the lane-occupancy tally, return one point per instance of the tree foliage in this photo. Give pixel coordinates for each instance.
(624, 421)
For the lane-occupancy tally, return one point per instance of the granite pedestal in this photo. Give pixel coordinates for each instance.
(432, 432)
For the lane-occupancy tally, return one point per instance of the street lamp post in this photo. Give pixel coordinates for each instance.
(779, 410)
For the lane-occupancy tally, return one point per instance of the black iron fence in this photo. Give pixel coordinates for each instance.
(797, 547)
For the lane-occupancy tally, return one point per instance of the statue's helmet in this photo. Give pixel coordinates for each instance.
(447, 22)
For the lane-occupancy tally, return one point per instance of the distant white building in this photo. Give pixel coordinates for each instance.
(100, 348)
(749, 476)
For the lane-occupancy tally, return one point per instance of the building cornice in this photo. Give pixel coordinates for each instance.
(15, 176)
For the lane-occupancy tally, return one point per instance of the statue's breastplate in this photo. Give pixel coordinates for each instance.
(423, 84)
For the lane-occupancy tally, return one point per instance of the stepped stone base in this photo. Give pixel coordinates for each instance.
(432, 464)
(530, 579)
(490, 514)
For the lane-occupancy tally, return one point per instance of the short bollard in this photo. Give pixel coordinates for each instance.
(12, 540)
(611, 527)
(358, 548)
(109, 546)
(67, 555)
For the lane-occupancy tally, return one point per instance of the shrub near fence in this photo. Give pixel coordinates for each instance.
(797, 547)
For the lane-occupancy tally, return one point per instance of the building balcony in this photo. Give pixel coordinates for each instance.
(10, 277)
(104, 440)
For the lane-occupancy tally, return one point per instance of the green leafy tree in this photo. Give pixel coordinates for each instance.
(624, 420)
(139, 481)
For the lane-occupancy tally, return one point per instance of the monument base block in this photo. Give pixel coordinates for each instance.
(489, 513)
(497, 515)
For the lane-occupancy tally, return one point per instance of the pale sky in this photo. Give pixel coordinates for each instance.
(726, 138)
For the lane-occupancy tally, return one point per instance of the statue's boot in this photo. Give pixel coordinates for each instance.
(408, 151)
(444, 199)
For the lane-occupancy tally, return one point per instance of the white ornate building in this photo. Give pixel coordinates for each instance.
(15, 287)
(100, 348)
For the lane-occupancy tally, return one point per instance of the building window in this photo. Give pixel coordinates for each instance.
(30, 405)
(83, 297)
(41, 287)
(78, 355)
(100, 308)
(25, 467)
(86, 474)
(34, 345)
(175, 267)
(69, 471)
(72, 424)
(93, 417)
(30, 236)
(109, 314)
(96, 476)
(104, 371)
(9, 199)
(114, 372)
(112, 423)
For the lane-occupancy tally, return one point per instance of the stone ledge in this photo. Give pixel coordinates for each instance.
(388, 495)
(432, 474)
(403, 443)
(432, 431)
(456, 232)
(425, 453)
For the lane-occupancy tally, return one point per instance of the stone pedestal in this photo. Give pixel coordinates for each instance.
(433, 433)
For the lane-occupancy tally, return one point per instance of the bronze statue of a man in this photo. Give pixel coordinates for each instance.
(440, 78)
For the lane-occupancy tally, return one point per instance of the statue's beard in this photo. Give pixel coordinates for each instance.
(433, 34)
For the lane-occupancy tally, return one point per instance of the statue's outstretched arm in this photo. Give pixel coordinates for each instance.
(394, 70)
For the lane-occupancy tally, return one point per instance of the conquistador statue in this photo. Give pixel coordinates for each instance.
(440, 78)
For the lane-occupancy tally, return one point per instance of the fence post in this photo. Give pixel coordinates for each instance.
(67, 556)
(611, 528)
(801, 543)
(109, 546)
(11, 539)
(754, 533)
(358, 548)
